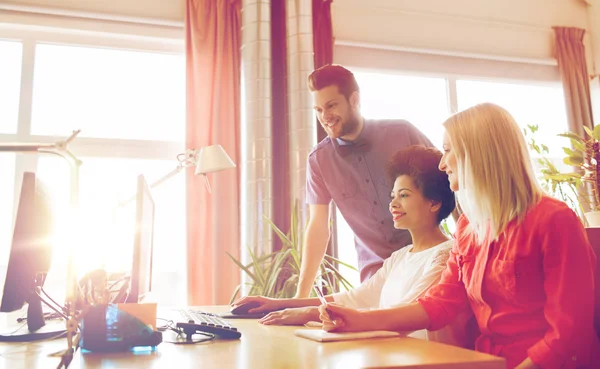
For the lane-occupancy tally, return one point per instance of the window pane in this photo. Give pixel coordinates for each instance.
(346, 250)
(420, 100)
(108, 230)
(541, 105)
(10, 85)
(108, 93)
(7, 189)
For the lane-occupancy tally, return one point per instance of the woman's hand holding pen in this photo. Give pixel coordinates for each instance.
(343, 319)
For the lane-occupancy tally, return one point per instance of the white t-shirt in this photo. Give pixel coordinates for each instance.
(404, 277)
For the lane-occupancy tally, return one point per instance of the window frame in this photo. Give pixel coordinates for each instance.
(92, 33)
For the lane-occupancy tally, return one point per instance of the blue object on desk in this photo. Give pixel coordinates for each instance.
(105, 328)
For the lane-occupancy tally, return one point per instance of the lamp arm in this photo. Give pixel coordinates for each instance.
(167, 176)
(155, 184)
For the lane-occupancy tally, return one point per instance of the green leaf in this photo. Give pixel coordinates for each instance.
(572, 136)
(331, 259)
(588, 131)
(570, 152)
(596, 133)
(235, 294)
(573, 161)
(242, 267)
(284, 238)
(578, 145)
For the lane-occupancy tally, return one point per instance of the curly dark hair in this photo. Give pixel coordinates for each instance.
(421, 163)
(333, 74)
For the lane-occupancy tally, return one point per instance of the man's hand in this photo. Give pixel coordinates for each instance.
(297, 316)
(264, 304)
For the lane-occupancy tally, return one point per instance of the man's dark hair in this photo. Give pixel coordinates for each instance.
(421, 163)
(333, 74)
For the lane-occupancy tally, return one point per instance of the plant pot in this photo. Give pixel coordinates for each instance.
(593, 219)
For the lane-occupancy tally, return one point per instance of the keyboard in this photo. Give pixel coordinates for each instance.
(192, 321)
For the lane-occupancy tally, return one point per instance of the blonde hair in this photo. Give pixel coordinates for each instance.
(495, 174)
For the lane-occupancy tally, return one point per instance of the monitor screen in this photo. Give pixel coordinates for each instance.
(30, 257)
(141, 268)
(31, 249)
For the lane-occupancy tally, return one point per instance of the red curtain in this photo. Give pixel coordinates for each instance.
(570, 54)
(322, 41)
(213, 37)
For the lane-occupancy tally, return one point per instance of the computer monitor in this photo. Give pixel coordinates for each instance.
(143, 243)
(29, 260)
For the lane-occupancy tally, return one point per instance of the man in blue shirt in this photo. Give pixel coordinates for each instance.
(348, 167)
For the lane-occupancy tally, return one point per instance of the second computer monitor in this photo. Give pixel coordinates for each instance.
(143, 243)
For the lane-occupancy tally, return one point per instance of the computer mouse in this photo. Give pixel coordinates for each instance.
(243, 308)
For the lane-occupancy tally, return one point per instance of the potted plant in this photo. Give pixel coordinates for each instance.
(580, 188)
(276, 274)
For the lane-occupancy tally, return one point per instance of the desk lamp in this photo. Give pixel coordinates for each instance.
(208, 159)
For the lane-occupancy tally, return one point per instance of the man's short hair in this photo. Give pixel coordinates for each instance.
(330, 75)
(422, 164)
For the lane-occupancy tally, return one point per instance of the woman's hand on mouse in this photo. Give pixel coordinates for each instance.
(263, 304)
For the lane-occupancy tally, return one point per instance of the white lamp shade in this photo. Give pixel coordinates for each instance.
(212, 159)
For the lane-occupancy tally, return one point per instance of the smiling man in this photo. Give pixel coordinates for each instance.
(348, 167)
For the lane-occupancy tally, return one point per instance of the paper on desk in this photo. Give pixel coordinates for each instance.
(323, 336)
(146, 312)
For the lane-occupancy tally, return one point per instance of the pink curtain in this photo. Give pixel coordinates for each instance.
(213, 116)
(570, 54)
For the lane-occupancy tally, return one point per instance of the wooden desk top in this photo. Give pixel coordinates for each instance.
(261, 347)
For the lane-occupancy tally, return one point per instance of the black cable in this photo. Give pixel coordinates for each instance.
(117, 281)
(50, 305)
(51, 299)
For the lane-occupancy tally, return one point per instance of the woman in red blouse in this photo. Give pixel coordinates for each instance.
(521, 260)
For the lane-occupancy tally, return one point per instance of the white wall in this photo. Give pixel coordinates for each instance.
(170, 10)
(507, 28)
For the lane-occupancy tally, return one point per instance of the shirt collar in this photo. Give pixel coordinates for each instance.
(362, 141)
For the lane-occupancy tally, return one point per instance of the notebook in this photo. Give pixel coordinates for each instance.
(323, 336)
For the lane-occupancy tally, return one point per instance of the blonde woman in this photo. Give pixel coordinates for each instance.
(521, 260)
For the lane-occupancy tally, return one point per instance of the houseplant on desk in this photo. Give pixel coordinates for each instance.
(276, 274)
(579, 189)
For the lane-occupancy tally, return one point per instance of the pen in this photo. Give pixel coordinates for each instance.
(323, 301)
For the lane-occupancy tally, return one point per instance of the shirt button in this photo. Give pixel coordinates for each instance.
(367, 180)
(574, 358)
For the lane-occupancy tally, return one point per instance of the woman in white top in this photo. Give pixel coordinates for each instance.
(420, 199)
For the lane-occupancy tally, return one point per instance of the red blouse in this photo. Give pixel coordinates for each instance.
(532, 290)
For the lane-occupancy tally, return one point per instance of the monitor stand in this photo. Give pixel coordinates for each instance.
(36, 328)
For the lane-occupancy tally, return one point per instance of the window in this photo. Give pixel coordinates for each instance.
(420, 100)
(7, 169)
(10, 75)
(130, 107)
(530, 104)
(108, 93)
(426, 101)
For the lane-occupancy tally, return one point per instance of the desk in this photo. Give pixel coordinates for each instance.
(261, 347)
